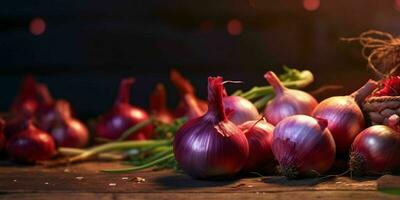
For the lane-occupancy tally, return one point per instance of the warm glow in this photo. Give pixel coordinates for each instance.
(311, 5)
(234, 27)
(397, 4)
(37, 26)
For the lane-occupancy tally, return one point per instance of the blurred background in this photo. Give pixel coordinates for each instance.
(81, 49)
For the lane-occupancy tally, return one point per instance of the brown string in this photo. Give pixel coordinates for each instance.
(382, 51)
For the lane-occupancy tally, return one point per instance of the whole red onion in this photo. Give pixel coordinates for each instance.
(303, 146)
(30, 145)
(211, 145)
(189, 106)
(240, 109)
(123, 116)
(66, 130)
(259, 137)
(158, 105)
(375, 150)
(345, 118)
(46, 114)
(287, 102)
(2, 137)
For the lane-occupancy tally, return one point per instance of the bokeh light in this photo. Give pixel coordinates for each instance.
(37, 26)
(397, 4)
(234, 27)
(311, 5)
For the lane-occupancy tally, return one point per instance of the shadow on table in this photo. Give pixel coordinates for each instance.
(183, 181)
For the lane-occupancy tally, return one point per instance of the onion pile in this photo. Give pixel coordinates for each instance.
(375, 150)
(211, 145)
(158, 106)
(303, 146)
(30, 144)
(287, 102)
(345, 118)
(122, 116)
(259, 137)
(66, 130)
(189, 105)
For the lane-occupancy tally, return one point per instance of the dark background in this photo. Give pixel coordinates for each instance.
(88, 45)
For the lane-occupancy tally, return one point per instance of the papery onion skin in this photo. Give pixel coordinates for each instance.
(345, 118)
(287, 102)
(211, 146)
(240, 110)
(122, 116)
(66, 130)
(259, 136)
(375, 151)
(31, 145)
(303, 146)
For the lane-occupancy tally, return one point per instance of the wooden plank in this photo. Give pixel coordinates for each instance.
(308, 195)
(85, 177)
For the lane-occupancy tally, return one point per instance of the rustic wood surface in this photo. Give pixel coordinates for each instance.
(84, 181)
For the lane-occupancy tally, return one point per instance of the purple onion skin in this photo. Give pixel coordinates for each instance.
(259, 136)
(71, 133)
(211, 146)
(345, 118)
(375, 150)
(303, 146)
(287, 102)
(31, 145)
(123, 116)
(240, 110)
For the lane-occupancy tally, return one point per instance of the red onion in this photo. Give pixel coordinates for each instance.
(211, 145)
(240, 109)
(2, 137)
(46, 114)
(259, 137)
(26, 99)
(30, 145)
(158, 105)
(189, 106)
(345, 118)
(375, 150)
(303, 146)
(287, 102)
(66, 130)
(123, 116)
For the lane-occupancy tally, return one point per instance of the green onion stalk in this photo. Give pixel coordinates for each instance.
(159, 152)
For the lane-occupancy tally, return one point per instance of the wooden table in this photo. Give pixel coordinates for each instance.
(84, 181)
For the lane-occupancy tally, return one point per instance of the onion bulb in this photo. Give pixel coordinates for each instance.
(66, 130)
(259, 137)
(189, 105)
(26, 99)
(287, 102)
(122, 116)
(375, 150)
(158, 105)
(211, 145)
(345, 118)
(303, 146)
(30, 145)
(240, 110)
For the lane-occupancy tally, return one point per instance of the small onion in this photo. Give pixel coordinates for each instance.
(375, 150)
(211, 145)
(123, 116)
(240, 109)
(189, 105)
(158, 106)
(345, 118)
(303, 146)
(66, 130)
(287, 102)
(26, 99)
(30, 145)
(259, 137)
